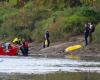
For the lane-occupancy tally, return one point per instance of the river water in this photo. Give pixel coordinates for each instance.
(38, 65)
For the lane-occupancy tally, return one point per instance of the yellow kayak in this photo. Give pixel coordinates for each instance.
(72, 48)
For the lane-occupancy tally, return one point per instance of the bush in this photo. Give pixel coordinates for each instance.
(74, 24)
(88, 12)
(97, 34)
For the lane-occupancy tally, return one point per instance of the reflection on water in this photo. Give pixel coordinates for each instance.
(46, 65)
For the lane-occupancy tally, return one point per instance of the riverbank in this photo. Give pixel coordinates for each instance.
(58, 49)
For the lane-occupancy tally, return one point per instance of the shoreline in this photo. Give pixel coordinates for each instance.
(58, 50)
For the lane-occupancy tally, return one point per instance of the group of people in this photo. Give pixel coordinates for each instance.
(88, 32)
(89, 29)
(22, 44)
(12, 48)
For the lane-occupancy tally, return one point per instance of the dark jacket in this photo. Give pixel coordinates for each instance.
(87, 29)
(46, 35)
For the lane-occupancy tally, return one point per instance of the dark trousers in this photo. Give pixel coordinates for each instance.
(86, 38)
(24, 51)
(90, 38)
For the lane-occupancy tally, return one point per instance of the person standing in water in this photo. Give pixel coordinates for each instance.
(46, 39)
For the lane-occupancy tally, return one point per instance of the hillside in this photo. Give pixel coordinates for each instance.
(31, 18)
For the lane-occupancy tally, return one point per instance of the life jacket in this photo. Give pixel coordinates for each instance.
(1, 50)
(15, 40)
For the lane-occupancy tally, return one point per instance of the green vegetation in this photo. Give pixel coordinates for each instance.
(97, 34)
(60, 17)
(13, 2)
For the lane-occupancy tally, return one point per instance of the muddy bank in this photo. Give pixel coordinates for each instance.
(58, 50)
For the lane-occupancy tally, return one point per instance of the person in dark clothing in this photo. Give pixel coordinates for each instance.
(46, 39)
(86, 34)
(25, 48)
(92, 29)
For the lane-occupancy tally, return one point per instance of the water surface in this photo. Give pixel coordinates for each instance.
(46, 65)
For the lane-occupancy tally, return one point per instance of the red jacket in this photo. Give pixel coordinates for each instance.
(25, 44)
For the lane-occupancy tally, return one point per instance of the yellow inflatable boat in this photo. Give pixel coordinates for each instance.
(72, 48)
